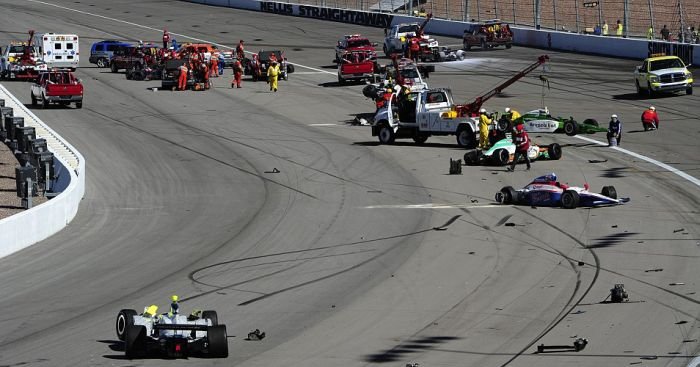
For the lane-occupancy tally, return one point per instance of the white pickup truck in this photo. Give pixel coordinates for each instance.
(421, 114)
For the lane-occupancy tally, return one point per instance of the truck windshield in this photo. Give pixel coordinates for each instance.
(665, 64)
(359, 43)
(17, 49)
(409, 73)
(408, 28)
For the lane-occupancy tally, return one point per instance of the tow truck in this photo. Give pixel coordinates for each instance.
(354, 42)
(398, 34)
(421, 114)
(22, 61)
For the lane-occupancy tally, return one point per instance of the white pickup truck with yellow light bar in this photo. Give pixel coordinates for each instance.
(663, 74)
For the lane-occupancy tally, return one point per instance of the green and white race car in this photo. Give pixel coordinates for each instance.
(541, 121)
(503, 152)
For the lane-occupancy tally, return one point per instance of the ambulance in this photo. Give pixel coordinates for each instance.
(60, 50)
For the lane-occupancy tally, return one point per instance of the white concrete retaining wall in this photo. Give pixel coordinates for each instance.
(548, 39)
(31, 226)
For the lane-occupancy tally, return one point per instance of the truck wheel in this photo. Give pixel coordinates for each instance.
(509, 45)
(570, 128)
(467, 46)
(466, 138)
(609, 191)
(125, 318)
(134, 341)
(78, 105)
(501, 157)
(483, 44)
(113, 67)
(218, 341)
(420, 139)
(102, 62)
(689, 91)
(34, 102)
(386, 134)
(554, 151)
(640, 92)
(650, 92)
(44, 102)
(341, 81)
(569, 199)
(208, 314)
(385, 51)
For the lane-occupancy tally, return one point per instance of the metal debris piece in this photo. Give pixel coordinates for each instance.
(653, 270)
(678, 230)
(579, 345)
(256, 335)
(677, 283)
(455, 166)
(618, 294)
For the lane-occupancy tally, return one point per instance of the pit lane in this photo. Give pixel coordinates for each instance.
(181, 200)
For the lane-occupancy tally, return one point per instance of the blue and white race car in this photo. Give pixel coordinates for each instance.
(547, 191)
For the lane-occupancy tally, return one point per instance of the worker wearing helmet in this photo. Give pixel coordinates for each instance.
(614, 130)
(273, 73)
(239, 50)
(414, 48)
(522, 144)
(166, 38)
(484, 122)
(650, 119)
(174, 305)
(511, 114)
(214, 69)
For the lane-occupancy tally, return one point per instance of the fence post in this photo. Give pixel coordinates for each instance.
(495, 10)
(578, 29)
(554, 8)
(514, 23)
(600, 15)
(447, 9)
(537, 14)
(651, 16)
(626, 19)
(478, 11)
(680, 15)
(465, 11)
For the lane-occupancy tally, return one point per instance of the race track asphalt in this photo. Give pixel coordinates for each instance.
(353, 254)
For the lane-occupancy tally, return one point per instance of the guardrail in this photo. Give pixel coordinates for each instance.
(541, 38)
(38, 223)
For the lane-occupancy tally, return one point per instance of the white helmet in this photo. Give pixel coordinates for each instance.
(507, 109)
(483, 110)
(652, 108)
(613, 116)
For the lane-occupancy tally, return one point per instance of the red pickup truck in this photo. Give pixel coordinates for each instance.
(356, 65)
(60, 87)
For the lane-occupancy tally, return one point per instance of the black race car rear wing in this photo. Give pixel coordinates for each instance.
(180, 327)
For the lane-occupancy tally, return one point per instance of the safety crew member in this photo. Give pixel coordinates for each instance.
(484, 122)
(522, 144)
(414, 48)
(237, 74)
(182, 78)
(650, 33)
(221, 63)
(605, 28)
(239, 50)
(166, 38)
(174, 305)
(384, 98)
(214, 70)
(650, 119)
(273, 57)
(619, 28)
(614, 130)
(273, 73)
(511, 115)
(205, 74)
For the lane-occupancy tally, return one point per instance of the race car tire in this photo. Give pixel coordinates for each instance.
(609, 191)
(471, 157)
(212, 315)
(129, 74)
(570, 199)
(509, 195)
(370, 91)
(386, 134)
(113, 67)
(134, 341)
(570, 128)
(290, 68)
(466, 138)
(420, 139)
(593, 122)
(501, 157)
(218, 341)
(460, 55)
(504, 124)
(554, 151)
(125, 318)
(689, 91)
(102, 62)
(34, 102)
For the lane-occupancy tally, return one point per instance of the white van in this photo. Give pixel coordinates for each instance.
(60, 50)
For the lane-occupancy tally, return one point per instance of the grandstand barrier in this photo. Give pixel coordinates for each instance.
(547, 39)
(38, 223)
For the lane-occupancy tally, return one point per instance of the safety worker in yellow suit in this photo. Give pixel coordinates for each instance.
(484, 122)
(650, 33)
(174, 305)
(605, 28)
(512, 115)
(619, 28)
(273, 73)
